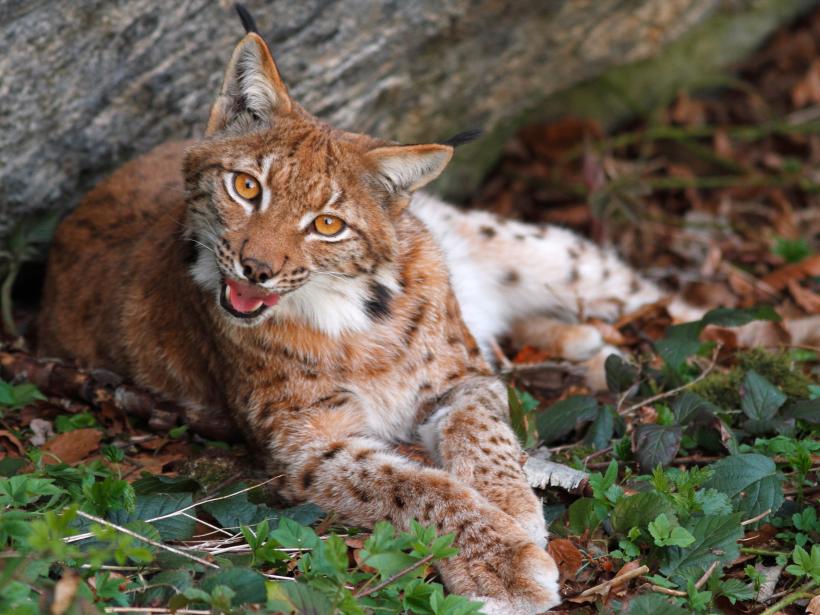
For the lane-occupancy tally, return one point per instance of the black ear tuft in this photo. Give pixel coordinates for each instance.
(463, 137)
(245, 17)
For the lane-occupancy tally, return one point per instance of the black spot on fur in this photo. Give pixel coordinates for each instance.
(399, 501)
(333, 450)
(512, 277)
(307, 480)
(487, 231)
(574, 275)
(378, 306)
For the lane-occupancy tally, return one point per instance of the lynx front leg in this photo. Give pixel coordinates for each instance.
(328, 460)
(470, 437)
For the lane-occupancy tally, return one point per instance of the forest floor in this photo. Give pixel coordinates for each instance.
(696, 472)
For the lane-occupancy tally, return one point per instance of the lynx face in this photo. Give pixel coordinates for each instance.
(291, 218)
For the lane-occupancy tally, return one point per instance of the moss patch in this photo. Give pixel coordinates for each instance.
(723, 389)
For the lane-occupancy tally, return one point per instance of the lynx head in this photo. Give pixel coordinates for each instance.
(292, 218)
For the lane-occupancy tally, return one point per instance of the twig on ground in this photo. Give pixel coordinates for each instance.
(604, 588)
(700, 582)
(676, 390)
(424, 560)
(503, 362)
(756, 518)
(146, 540)
(665, 590)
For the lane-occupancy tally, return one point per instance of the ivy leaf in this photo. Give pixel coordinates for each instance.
(715, 540)
(691, 407)
(760, 399)
(560, 419)
(655, 445)
(602, 429)
(620, 375)
(751, 480)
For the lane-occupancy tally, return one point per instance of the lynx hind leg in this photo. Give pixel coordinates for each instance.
(504, 270)
(326, 462)
(469, 436)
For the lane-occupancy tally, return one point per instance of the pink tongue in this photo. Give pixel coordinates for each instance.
(246, 298)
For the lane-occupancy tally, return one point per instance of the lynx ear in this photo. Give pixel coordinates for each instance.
(252, 86)
(405, 168)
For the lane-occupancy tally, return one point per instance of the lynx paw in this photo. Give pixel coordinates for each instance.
(500, 566)
(535, 592)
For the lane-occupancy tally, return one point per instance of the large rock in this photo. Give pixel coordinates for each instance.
(87, 85)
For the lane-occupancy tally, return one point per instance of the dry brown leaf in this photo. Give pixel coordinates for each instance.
(814, 606)
(805, 298)
(807, 90)
(21, 450)
(64, 591)
(72, 446)
(566, 555)
(779, 278)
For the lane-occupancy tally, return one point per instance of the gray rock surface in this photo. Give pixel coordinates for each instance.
(86, 85)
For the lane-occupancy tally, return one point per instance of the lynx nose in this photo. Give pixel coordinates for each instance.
(256, 271)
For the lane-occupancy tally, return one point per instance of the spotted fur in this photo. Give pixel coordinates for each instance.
(377, 333)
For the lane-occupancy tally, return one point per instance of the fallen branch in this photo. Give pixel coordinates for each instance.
(665, 590)
(702, 580)
(602, 589)
(146, 540)
(158, 610)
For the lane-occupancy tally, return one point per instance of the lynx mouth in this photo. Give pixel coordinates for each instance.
(245, 300)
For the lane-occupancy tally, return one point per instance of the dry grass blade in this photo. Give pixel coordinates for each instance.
(146, 540)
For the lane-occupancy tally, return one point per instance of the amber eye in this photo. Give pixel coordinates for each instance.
(328, 225)
(246, 186)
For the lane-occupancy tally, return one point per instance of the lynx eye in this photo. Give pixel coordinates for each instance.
(328, 225)
(246, 186)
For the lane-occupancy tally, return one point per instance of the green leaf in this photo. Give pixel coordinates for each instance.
(638, 511)
(735, 590)
(296, 597)
(691, 407)
(679, 343)
(668, 533)
(791, 250)
(69, 422)
(759, 398)
(151, 483)
(560, 419)
(737, 317)
(238, 510)
(713, 502)
(715, 540)
(178, 527)
(583, 515)
(602, 429)
(165, 584)
(805, 410)
(248, 584)
(653, 604)
(655, 445)
(620, 375)
(750, 480)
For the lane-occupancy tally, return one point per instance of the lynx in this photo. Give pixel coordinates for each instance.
(287, 272)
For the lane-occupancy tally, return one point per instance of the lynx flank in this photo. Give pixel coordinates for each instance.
(282, 270)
